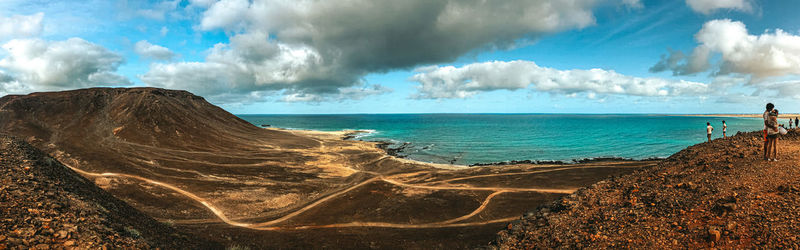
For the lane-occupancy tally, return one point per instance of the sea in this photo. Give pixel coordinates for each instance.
(468, 139)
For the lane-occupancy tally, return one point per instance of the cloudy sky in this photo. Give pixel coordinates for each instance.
(416, 56)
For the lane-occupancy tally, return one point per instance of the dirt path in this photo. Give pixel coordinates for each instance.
(266, 225)
(192, 196)
(519, 173)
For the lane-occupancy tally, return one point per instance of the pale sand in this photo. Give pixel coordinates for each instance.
(339, 135)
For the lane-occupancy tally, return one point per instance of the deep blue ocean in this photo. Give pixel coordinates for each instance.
(484, 138)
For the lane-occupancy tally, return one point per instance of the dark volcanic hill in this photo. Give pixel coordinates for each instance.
(184, 161)
(720, 194)
(45, 205)
(172, 119)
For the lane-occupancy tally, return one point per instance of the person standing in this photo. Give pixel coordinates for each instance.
(709, 128)
(767, 126)
(724, 129)
(796, 123)
(772, 135)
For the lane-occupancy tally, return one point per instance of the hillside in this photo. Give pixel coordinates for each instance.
(46, 205)
(719, 194)
(184, 161)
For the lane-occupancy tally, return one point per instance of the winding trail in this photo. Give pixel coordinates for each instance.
(478, 210)
(192, 196)
(518, 173)
(394, 225)
(541, 190)
(267, 225)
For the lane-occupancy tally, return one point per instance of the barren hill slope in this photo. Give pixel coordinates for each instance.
(45, 204)
(720, 194)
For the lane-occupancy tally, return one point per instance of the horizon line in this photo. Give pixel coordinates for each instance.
(509, 113)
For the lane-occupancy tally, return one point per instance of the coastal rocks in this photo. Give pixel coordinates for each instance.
(555, 162)
(392, 149)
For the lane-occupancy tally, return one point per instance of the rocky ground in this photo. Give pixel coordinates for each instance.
(44, 205)
(719, 195)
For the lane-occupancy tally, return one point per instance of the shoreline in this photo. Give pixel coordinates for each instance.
(346, 135)
(350, 134)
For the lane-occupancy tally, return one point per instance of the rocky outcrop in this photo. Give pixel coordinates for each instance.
(719, 194)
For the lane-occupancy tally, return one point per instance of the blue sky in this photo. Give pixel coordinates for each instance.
(358, 56)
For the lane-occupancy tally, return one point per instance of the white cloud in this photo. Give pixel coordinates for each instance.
(451, 82)
(146, 49)
(681, 64)
(252, 64)
(18, 26)
(202, 3)
(39, 65)
(322, 48)
(350, 93)
(760, 56)
(708, 6)
(164, 30)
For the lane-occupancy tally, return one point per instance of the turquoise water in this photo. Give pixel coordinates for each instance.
(484, 138)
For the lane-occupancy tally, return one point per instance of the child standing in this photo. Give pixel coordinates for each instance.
(724, 129)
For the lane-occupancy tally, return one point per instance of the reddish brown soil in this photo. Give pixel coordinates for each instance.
(186, 162)
(720, 194)
(45, 205)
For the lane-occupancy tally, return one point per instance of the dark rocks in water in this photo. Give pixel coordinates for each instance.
(574, 161)
(264, 125)
(385, 146)
(504, 163)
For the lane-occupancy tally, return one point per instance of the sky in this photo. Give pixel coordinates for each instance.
(415, 56)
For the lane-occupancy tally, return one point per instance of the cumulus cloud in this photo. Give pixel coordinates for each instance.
(19, 26)
(350, 93)
(202, 3)
(451, 82)
(313, 48)
(146, 49)
(760, 56)
(250, 64)
(681, 64)
(35, 64)
(708, 6)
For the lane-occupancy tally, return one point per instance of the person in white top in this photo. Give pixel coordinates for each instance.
(767, 140)
(709, 128)
(724, 129)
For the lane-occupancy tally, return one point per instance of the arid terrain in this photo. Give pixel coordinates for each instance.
(45, 205)
(720, 194)
(187, 163)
